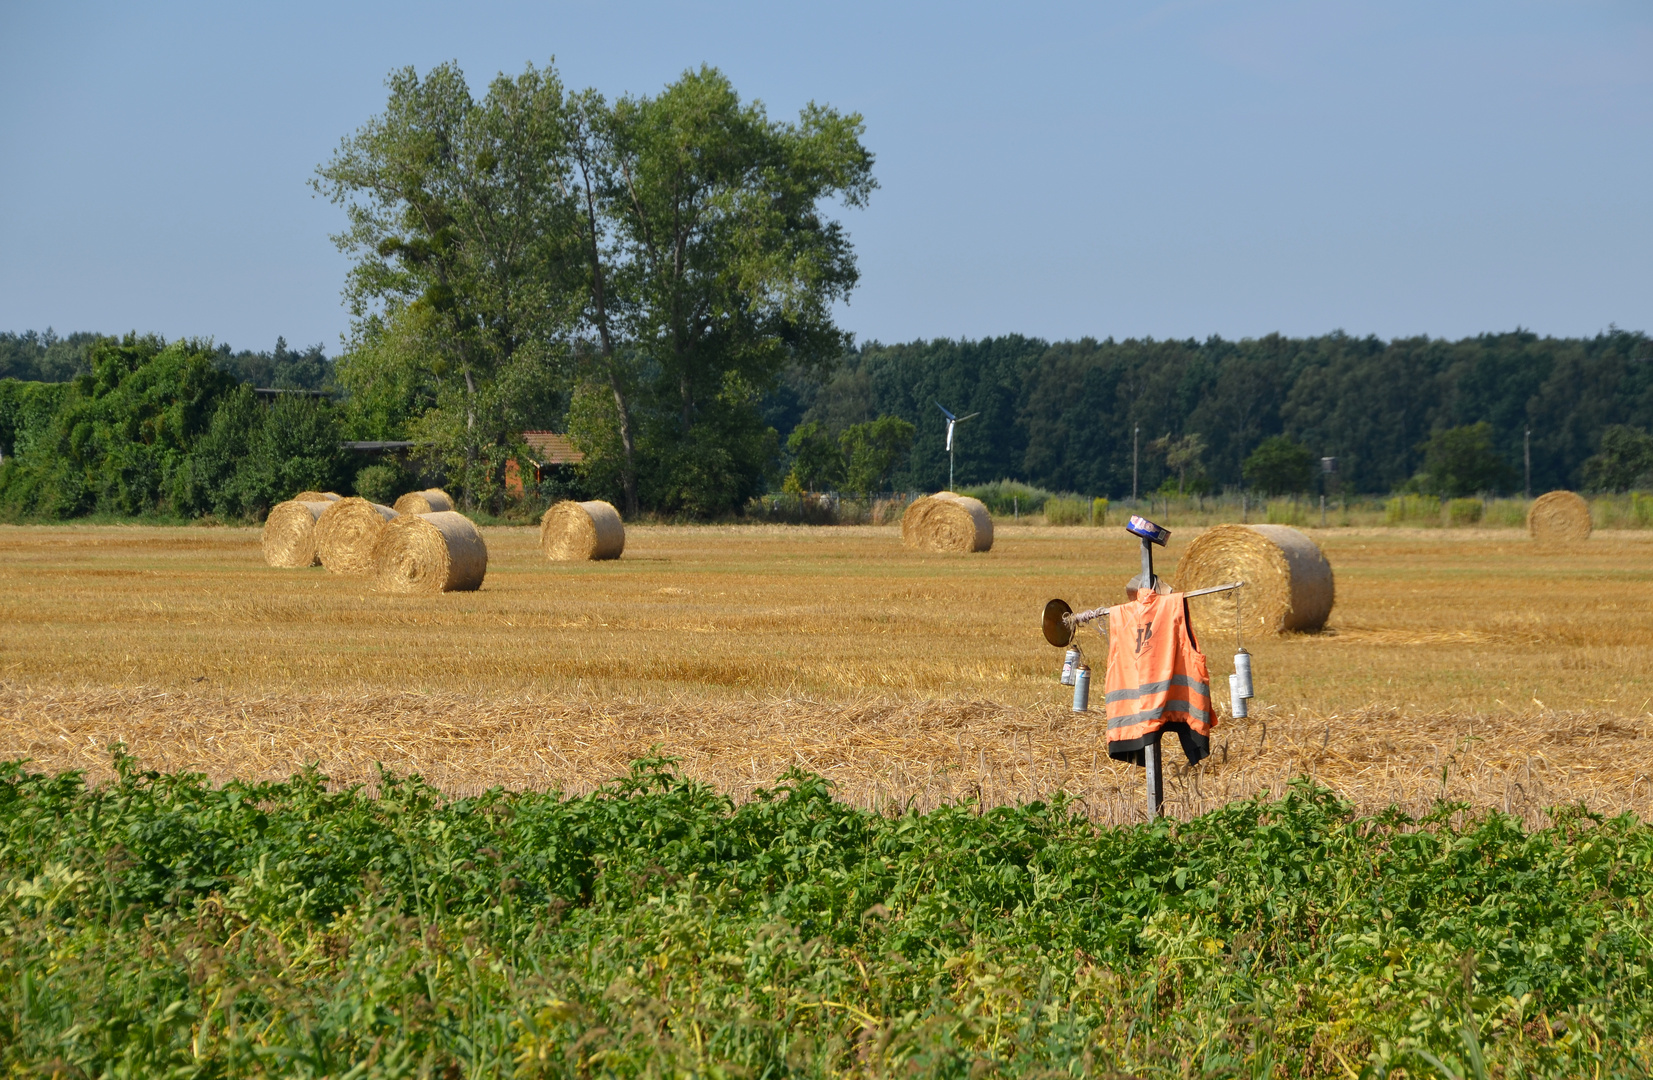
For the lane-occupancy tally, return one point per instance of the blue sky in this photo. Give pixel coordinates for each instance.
(1060, 170)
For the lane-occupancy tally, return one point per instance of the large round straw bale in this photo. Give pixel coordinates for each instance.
(1288, 586)
(314, 496)
(1560, 517)
(947, 522)
(575, 531)
(430, 553)
(429, 501)
(290, 533)
(916, 511)
(346, 533)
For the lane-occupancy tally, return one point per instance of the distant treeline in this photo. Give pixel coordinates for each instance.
(1063, 415)
(138, 425)
(44, 357)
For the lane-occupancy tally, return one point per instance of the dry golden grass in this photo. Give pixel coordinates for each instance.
(1522, 675)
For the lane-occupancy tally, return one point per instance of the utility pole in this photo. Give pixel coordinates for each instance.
(1527, 452)
(1135, 433)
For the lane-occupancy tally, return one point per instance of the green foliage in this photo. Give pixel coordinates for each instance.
(157, 428)
(817, 460)
(279, 369)
(514, 252)
(1099, 512)
(1461, 512)
(1279, 466)
(1065, 510)
(380, 483)
(34, 357)
(121, 437)
(872, 451)
(1413, 509)
(1005, 497)
(1062, 415)
(157, 925)
(1462, 461)
(1624, 461)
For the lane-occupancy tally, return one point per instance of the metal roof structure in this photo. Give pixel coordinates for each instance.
(552, 448)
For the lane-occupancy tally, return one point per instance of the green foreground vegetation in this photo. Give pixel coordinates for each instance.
(158, 925)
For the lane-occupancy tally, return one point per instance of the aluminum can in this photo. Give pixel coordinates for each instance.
(1236, 703)
(1069, 662)
(1242, 674)
(1081, 689)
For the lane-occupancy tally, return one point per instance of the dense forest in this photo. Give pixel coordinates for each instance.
(139, 425)
(33, 356)
(1064, 415)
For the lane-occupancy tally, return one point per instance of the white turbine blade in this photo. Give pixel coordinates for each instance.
(950, 424)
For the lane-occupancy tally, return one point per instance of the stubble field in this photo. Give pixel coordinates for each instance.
(1472, 665)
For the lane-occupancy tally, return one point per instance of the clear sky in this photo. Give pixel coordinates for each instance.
(1127, 169)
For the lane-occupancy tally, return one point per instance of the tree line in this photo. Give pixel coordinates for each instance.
(1109, 417)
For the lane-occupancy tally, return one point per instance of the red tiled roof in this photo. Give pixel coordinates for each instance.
(552, 448)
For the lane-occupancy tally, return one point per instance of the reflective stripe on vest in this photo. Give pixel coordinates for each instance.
(1155, 675)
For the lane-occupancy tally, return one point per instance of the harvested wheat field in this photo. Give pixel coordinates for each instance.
(1472, 664)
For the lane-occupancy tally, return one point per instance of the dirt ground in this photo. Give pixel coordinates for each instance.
(1465, 663)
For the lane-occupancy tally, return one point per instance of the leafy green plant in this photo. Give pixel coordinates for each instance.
(1062, 510)
(159, 924)
(1006, 497)
(380, 483)
(1461, 512)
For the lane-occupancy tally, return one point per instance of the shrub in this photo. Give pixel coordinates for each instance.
(1062, 510)
(1285, 512)
(1099, 512)
(1461, 512)
(379, 483)
(1409, 509)
(1006, 497)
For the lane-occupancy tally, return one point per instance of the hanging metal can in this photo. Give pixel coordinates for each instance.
(1236, 702)
(1242, 674)
(1081, 689)
(1069, 662)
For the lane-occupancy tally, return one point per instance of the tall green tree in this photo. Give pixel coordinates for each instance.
(872, 450)
(1462, 461)
(1624, 461)
(1279, 466)
(714, 261)
(466, 282)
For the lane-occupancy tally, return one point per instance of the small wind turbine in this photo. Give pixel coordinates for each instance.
(952, 422)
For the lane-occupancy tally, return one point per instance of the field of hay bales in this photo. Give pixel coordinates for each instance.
(1465, 663)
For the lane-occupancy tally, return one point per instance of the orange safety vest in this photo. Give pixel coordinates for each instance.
(1157, 678)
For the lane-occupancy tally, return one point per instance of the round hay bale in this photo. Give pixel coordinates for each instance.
(947, 522)
(575, 531)
(916, 511)
(430, 553)
(290, 533)
(429, 501)
(346, 533)
(314, 496)
(1289, 584)
(1560, 517)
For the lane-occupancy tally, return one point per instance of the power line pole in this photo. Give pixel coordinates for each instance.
(1528, 453)
(1137, 431)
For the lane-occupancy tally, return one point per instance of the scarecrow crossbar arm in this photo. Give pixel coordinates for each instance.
(1080, 618)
